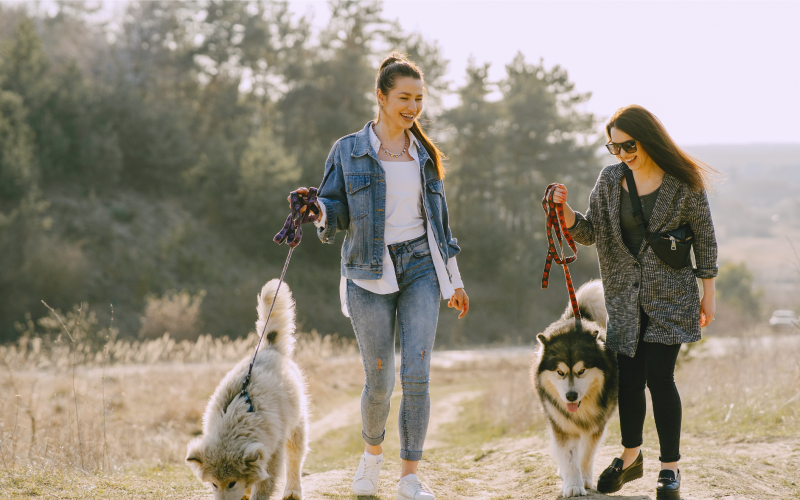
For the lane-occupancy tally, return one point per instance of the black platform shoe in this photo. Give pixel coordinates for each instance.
(615, 476)
(669, 485)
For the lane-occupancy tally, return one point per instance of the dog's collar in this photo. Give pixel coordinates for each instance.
(245, 395)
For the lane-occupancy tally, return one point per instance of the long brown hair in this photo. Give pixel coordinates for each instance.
(648, 130)
(397, 65)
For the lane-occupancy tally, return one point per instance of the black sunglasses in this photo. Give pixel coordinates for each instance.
(628, 146)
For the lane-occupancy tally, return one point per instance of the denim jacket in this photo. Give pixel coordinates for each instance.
(353, 191)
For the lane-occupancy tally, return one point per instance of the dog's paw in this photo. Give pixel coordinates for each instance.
(587, 483)
(573, 491)
(292, 495)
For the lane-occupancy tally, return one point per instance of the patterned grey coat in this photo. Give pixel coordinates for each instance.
(670, 297)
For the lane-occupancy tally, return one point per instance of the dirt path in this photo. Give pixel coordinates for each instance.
(521, 468)
(509, 469)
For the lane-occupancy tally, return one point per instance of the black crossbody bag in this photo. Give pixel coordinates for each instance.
(673, 247)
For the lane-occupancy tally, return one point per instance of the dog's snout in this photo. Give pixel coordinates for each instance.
(572, 396)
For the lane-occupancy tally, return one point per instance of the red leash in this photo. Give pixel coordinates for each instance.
(555, 215)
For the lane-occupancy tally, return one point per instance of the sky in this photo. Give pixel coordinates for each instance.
(714, 72)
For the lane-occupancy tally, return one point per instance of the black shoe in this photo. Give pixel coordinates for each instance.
(669, 485)
(615, 476)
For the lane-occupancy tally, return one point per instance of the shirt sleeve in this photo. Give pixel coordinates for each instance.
(333, 197)
(705, 241)
(323, 217)
(452, 266)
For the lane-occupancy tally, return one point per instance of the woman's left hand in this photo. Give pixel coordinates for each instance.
(708, 307)
(460, 301)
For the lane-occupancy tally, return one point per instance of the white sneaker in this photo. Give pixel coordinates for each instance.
(411, 488)
(369, 469)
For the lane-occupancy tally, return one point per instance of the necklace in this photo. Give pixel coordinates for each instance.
(393, 155)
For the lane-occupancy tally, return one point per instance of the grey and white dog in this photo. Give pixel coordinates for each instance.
(242, 453)
(577, 382)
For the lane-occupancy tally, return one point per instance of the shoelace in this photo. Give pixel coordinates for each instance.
(556, 223)
(368, 469)
(419, 485)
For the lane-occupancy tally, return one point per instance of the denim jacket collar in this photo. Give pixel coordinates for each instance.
(367, 143)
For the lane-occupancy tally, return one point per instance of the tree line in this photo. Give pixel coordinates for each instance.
(154, 152)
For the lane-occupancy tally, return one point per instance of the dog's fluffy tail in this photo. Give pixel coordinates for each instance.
(591, 303)
(280, 331)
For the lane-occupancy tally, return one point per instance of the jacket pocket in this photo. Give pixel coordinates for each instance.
(436, 186)
(436, 196)
(357, 196)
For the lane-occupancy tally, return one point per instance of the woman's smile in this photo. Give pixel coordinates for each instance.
(631, 160)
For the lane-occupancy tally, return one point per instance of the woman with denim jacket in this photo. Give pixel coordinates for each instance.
(383, 187)
(652, 307)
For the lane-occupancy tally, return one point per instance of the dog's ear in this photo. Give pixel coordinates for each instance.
(194, 455)
(542, 339)
(253, 454)
(255, 459)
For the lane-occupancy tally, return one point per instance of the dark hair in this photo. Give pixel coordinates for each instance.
(648, 130)
(397, 65)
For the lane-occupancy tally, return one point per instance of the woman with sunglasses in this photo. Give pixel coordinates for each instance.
(653, 308)
(383, 187)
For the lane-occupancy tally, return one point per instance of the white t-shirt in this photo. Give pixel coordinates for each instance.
(404, 218)
(405, 221)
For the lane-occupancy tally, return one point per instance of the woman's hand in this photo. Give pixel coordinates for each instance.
(301, 191)
(708, 304)
(560, 194)
(460, 301)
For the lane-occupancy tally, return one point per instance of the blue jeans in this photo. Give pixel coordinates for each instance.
(416, 307)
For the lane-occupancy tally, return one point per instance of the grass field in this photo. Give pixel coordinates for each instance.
(120, 430)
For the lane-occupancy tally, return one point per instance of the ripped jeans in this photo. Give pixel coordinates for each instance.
(416, 307)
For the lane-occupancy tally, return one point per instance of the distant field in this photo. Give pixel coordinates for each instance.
(756, 210)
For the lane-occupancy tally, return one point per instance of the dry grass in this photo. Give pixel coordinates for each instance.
(746, 387)
(749, 391)
(102, 407)
(120, 429)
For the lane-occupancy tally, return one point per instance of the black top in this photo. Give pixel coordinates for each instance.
(632, 235)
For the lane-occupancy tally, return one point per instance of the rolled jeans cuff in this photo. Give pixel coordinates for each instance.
(411, 455)
(373, 441)
(632, 443)
(669, 458)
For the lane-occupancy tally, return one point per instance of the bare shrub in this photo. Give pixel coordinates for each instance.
(176, 313)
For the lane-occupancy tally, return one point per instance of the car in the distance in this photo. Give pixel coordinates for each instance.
(783, 318)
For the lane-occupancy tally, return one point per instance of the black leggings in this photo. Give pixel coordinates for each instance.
(653, 366)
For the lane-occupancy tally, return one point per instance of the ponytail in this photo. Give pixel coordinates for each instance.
(396, 65)
(434, 152)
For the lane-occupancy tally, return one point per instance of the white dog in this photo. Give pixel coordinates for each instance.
(241, 452)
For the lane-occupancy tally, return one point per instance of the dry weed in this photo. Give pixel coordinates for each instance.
(101, 406)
